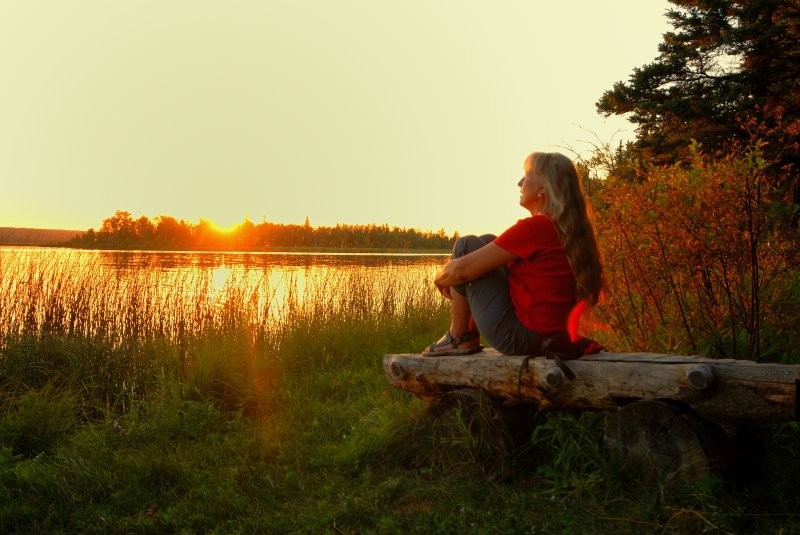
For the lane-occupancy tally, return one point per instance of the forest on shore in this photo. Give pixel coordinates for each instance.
(122, 231)
(21, 236)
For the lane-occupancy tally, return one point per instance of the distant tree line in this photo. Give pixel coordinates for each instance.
(122, 231)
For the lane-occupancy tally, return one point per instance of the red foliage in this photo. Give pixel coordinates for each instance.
(692, 254)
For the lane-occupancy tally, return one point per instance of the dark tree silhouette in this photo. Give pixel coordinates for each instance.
(729, 72)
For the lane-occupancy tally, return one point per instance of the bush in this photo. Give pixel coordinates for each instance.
(698, 261)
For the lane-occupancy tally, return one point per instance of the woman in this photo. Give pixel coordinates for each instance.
(520, 288)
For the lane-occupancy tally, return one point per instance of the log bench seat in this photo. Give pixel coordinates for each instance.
(661, 409)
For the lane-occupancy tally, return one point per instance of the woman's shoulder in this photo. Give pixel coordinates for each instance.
(536, 226)
(537, 221)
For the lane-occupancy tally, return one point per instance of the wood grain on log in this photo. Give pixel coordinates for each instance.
(721, 390)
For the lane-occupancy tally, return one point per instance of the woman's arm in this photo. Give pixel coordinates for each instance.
(471, 266)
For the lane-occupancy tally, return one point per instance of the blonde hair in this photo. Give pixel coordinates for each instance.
(565, 204)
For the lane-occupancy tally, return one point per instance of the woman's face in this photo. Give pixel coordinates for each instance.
(531, 191)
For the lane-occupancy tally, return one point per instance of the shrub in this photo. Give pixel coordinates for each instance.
(697, 259)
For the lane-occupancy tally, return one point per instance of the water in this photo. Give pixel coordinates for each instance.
(139, 293)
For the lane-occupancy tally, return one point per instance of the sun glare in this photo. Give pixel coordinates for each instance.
(222, 228)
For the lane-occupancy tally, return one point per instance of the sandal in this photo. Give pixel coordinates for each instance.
(431, 350)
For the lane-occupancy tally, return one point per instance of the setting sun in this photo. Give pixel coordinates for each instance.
(222, 229)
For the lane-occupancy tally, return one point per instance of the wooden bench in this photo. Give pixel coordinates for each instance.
(667, 415)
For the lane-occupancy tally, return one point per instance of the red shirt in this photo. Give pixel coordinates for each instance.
(541, 282)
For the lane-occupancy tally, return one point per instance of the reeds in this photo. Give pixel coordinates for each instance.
(120, 334)
(141, 390)
(75, 294)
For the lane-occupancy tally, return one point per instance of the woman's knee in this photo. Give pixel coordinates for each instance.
(469, 243)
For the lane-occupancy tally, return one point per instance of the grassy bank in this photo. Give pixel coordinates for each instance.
(116, 417)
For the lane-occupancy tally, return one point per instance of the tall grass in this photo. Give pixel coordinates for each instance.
(202, 408)
(121, 335)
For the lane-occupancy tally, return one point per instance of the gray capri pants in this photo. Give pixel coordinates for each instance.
(491, 306)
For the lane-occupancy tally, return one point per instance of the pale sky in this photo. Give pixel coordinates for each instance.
(413, 113)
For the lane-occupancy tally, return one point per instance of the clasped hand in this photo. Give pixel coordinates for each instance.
(444, 290)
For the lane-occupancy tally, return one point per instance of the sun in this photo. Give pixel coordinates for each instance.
(222, 229)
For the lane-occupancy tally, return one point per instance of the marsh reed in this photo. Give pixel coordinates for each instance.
(70, 293)
(127, 332)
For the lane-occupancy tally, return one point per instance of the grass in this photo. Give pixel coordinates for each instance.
(125, 411)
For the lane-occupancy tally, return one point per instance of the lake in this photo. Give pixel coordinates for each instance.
(143, 294)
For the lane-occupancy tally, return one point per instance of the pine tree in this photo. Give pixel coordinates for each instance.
(730, 71)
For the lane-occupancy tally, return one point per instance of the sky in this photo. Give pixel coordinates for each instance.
(414, 113)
